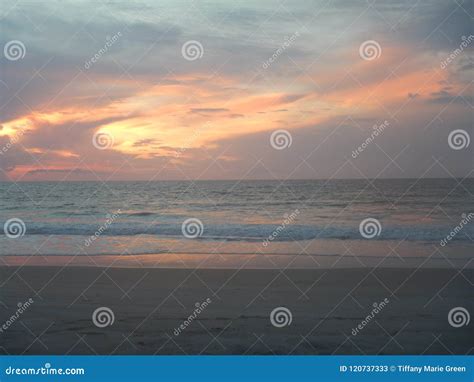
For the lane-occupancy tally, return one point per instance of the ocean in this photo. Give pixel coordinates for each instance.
(361, 219)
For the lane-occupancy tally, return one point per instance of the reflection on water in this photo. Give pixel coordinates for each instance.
(239, 217)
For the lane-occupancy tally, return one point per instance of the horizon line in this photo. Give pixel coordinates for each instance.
(232, 180)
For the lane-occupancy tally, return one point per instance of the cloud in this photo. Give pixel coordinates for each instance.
(154, 102)
(59, 171)
(290, 98)
(73, 135)
(12, 155)
(467, 67)
(146, 142)
(208, 110)
(444, 96)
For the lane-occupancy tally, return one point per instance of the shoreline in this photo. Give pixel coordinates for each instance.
(237, 261)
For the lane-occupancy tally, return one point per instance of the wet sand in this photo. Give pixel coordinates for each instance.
(155, 310)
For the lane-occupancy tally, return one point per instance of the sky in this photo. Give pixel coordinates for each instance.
(164, 90)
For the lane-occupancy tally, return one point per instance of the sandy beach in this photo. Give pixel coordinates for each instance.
(231, 311)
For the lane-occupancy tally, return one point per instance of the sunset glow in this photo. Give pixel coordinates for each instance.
(172, 116)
